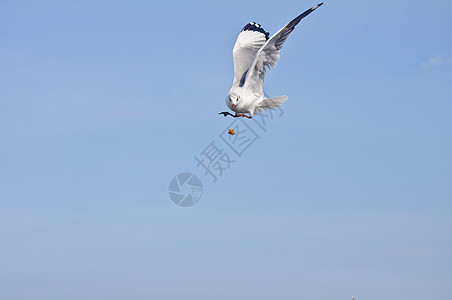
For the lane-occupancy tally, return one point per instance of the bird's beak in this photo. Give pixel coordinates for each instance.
(233, 106)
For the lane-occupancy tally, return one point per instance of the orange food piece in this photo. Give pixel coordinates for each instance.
(231, 131)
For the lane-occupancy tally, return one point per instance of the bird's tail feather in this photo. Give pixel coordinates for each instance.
(270, 103)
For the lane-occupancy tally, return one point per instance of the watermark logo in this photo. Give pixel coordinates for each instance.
(185, 189)
(219, 156)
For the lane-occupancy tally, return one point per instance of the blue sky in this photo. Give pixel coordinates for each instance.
(347, 193)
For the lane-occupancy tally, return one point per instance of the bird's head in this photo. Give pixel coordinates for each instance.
(232, 100)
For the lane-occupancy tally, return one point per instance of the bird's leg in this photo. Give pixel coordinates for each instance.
(242, 115)
(226, 113)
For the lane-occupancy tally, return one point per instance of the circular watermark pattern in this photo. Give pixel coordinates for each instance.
(185, 189)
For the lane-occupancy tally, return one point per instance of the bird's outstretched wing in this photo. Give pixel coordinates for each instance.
(268, 54)
(249, 41)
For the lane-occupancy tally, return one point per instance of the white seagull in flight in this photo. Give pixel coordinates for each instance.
(253, 53)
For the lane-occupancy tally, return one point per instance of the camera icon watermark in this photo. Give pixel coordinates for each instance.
(185, 189)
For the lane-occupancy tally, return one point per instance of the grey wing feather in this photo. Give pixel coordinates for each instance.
(268, 54)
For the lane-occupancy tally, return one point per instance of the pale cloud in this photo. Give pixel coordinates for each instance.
(437, 61)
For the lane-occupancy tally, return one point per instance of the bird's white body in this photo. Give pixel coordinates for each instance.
(254, 52)
(249, 100)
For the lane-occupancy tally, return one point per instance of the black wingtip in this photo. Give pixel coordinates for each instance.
(297, 20)
(253, 26)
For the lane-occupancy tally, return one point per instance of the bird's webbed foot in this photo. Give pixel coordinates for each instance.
(226, 113)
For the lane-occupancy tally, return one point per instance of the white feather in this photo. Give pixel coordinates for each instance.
(245, 49)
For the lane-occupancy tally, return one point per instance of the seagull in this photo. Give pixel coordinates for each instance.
(253, 53)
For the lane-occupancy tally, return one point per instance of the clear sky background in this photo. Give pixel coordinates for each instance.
(348, 193)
